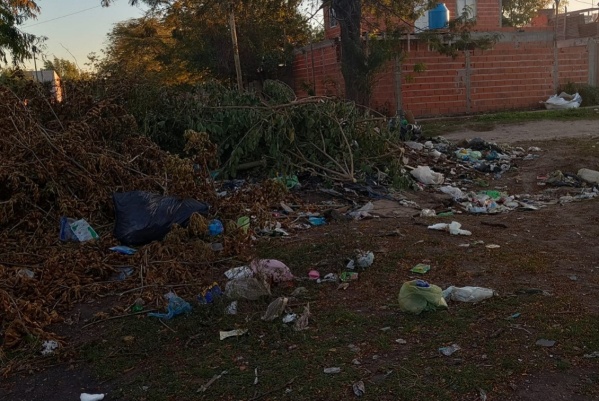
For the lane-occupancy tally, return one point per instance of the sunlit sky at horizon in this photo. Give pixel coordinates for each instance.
(75, 28)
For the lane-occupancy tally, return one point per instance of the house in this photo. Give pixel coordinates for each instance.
(525, 66)
(51, 78)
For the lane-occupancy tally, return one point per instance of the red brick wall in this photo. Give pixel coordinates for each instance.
(514, 75)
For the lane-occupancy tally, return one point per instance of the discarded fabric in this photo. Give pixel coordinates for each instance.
(417, 296)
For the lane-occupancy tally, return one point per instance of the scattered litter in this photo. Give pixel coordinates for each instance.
(386, 328)
(421, 268)
(217, 246)
(122, 273)
(209, 383)
(418, 295)
(363, 259)
(328, 278)
(302, 322)
(401, 341)
(362, 212)
(492, 246)
(414, 145)
(348, 276)
(76, 230)
(231, 309)
(91, 397)
(313, 274)
(239, 272)
(286, 208)
(425, 175)
(232, 333)
(25, 273)
(215, 228)
(143, 217)
(450, 350)
(453, 228)
(456, 193)
(330, 371)
(590, 176)
(210, 294)
(272, 270)
(343, 286)
(243, 223)
(545, 343)
(514, 316)
(359, 389)
(427, 213)
(247, 288)
(123, 250)
(467, 294)
(299, 291)
(317, 221)
(483, 394)
(289, 318)
(563, 101)
(176, 306)
(594, 354)
(275, 308)
(573, 277)
(49, 347)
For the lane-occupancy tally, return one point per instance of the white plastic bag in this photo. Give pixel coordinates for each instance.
(247, 288)
(425, 175)
(563, 101)
(456, 193)
(467, 294)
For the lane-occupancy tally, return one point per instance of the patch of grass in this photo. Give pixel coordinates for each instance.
(487, 122)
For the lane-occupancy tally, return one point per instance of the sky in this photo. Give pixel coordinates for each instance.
(75, 28)
(80, 26)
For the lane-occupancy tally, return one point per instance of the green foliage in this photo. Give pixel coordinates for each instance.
(14, 42)
(325, 137)
(66, 70)
(521, 12)
(589, 94)
(186, 41)
(460, 37)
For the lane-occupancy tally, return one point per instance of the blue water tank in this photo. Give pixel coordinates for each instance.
(438, 17)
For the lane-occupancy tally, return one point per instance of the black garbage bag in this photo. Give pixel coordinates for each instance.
(143, 217)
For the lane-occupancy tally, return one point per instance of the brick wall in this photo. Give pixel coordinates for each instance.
(516, 74)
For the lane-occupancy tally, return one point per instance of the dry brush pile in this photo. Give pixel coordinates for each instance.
(67, 160)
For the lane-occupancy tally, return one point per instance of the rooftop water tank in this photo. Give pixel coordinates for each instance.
(438, 17)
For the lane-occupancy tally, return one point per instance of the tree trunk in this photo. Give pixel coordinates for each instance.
(354, 64)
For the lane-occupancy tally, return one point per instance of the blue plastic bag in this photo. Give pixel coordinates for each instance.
(176, 306)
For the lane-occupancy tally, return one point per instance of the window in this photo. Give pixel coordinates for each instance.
(467, 5)
(332, 18)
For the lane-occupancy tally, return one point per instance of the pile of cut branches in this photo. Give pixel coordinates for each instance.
(67, 160)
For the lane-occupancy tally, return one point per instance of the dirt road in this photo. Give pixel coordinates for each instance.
(533, 131)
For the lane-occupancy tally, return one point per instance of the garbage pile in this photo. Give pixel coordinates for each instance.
(61, 168)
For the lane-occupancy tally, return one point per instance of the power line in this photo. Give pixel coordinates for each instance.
(63, 16)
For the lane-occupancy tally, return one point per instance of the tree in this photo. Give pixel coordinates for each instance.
(66, 70)
(361, 58)
(188, 35)
(521, 12)
(14, 42)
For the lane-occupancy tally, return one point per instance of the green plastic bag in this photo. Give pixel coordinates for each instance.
(417, 295)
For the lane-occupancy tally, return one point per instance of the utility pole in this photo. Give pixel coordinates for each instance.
(235, 47)
(555, 50)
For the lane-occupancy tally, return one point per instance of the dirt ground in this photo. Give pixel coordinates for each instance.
(533, 131)
(554, 249)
